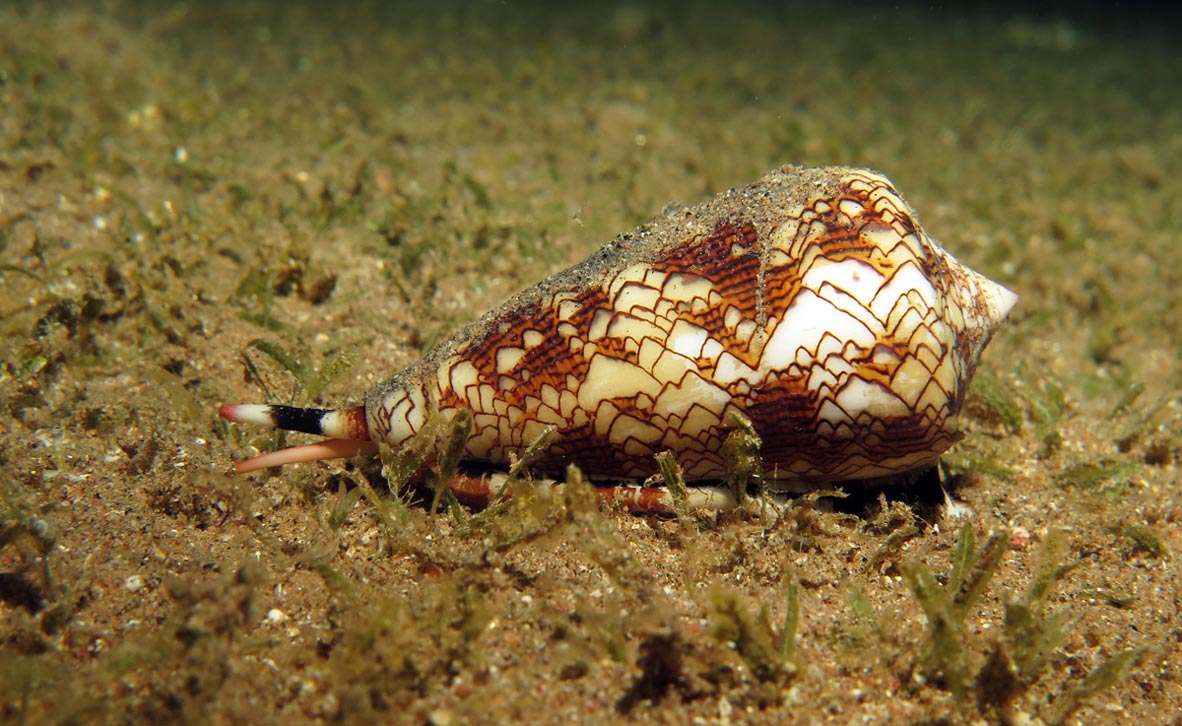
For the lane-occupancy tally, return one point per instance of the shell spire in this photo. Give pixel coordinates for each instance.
(811, 302)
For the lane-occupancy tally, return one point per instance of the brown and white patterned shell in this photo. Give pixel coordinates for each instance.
(811, 301)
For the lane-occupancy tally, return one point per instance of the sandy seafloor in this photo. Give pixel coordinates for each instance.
(178, 180)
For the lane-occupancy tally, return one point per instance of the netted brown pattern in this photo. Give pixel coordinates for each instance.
(811, 302)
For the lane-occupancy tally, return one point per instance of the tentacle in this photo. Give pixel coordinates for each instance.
(659, 500)
(479, 490)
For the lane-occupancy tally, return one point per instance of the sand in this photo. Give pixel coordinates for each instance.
(350, 186)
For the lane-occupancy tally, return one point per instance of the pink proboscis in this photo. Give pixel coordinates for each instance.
(329, 449)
